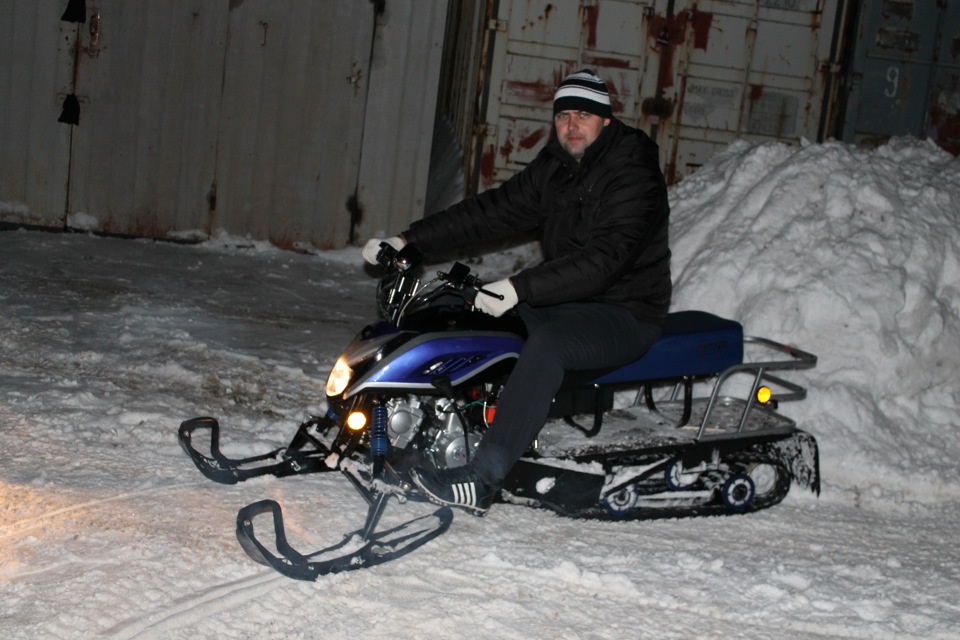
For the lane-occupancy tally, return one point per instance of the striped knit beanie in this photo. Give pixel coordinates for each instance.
(583, 91)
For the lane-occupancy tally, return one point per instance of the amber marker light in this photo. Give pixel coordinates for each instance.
(356, 420)
(764, 394)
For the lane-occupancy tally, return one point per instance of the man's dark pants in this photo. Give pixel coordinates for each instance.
(569, 336)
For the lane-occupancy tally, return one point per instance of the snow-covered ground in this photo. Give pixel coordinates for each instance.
(107, 529)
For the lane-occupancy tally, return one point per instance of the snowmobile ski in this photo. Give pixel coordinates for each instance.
(360, 549)
(293, 459)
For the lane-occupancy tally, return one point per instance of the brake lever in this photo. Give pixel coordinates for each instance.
(490, 293)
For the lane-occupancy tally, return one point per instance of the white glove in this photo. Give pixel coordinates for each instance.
(494, 306)
(372, 248)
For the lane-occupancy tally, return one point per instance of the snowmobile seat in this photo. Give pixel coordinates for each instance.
(693, 344)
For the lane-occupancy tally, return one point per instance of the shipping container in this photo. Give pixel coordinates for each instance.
(904, 75)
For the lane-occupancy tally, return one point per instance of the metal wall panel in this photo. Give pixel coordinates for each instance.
(144, 152)
(401, 109)
(36, 74)
(294, 97)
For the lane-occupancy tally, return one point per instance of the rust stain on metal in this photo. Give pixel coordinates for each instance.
(283, 243)
(946, 121)
(701, 21)
(670, 31)
(591, 15)
(756, 92)
(538, 92)
(487, 165)
(547, 10)
(616, 105)
(948, 131)
(506, 149)
(527, 141)
(531, 140)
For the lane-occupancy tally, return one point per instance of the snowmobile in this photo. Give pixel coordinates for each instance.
(691, 428)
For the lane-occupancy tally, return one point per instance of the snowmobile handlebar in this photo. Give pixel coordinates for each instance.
(410, 256)
(399, 288)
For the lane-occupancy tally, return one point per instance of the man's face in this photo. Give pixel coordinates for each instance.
(576, 130)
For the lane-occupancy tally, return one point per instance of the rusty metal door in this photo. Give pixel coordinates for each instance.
(294, 95)
(747, 69)
(905, 71)
(399, 125)
(532, 45)
(694, 74)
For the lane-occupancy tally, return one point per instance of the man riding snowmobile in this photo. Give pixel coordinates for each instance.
(436, 400)
(597, 198)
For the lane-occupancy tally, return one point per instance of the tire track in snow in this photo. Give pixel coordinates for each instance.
(196, 607)
(18, 527)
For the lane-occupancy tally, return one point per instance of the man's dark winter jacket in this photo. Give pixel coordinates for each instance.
(602, 224)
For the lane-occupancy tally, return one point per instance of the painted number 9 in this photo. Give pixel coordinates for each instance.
(893, 82)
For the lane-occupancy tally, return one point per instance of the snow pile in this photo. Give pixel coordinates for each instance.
(853, 255)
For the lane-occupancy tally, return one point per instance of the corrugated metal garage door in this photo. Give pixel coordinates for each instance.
(36, 74)
(294, 98)
(250, 116)
(148, 78)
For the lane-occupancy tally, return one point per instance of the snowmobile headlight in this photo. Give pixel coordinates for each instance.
(764, 394)
(339, 378)
(357, 420)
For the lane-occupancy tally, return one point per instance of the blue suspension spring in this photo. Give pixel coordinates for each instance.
(379, 440)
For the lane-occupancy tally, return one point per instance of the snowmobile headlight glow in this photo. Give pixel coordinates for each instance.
(339, 378)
